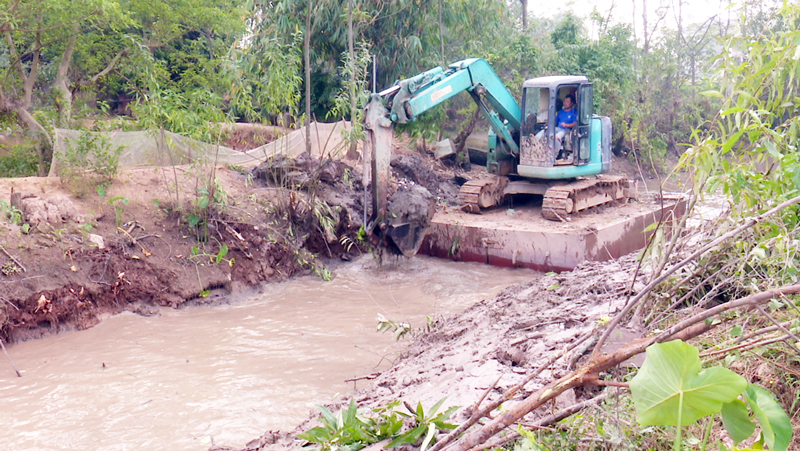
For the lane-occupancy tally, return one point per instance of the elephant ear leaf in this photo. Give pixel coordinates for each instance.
(670, 386)
(737, 421)
(776, 428)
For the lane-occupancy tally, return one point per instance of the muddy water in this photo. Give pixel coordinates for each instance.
(225, 374)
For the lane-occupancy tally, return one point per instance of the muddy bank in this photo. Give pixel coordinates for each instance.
(163, 237)
(70, 261)
(493, 345)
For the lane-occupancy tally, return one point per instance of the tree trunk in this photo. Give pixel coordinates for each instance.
(441, 35)
(44, 147)
(307, 54)
(352, 152)
(646, 47)
(61, 86)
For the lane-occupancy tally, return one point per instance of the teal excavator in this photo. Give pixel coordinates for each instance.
(525, 154)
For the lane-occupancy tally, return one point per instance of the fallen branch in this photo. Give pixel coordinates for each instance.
(368, 377)
(542, 423)
(13, 258)
(508, 394)
(745, 346)
(782, 328)
(658, 280)
(684, 330)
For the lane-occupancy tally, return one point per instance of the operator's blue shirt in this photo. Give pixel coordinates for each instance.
(566, 117)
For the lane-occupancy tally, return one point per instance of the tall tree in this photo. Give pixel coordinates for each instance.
(83, 42)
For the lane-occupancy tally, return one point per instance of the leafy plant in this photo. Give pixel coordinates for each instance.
(671, 390)
(346, 430)
(398, 329)
(12, 214)
(119, 203)
(22, 161)
(90, 158)
(425, 424)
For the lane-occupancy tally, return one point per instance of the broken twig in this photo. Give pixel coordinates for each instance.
(13, 259)
(9, 358)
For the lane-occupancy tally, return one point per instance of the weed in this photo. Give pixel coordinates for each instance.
(12, 214)
(119, 203)
(398, 329)
(346, 430)
(91, 158)
(426, 424)
(350, 430)
(216, 259)
(10, 268)
(22, 161)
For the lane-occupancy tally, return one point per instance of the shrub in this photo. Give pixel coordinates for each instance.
(88, 162)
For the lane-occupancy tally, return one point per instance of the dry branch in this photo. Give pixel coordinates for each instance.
(9, 358)
(687, 329)
(13, 259)
(508, 394)
(702, 250)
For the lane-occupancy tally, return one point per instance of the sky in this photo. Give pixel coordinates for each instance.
(693, 11)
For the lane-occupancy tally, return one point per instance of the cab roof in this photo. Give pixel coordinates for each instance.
(553, 81)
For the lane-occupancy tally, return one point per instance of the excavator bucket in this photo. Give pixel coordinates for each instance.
(378, 134)
(399, 223)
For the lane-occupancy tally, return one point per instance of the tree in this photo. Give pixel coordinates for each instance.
(44, 39)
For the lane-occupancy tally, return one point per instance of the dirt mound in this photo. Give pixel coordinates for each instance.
(241, 136)
(422, 172)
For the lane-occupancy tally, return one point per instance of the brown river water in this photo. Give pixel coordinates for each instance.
(226, 374)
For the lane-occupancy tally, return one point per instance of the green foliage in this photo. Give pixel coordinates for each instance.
(671, 390)
(9, 213)
(398, 329)
(748, 152)
(350, 430)
(21, 161)
(88, 162)
(347, 430)
(776, 428)
(119, 203)
(424, 424)
(265, 71)
(341, 102)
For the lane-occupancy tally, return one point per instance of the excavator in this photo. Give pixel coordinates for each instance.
(525, 154)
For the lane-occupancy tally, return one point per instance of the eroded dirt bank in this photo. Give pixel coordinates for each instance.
(74, 260)
(161, 237)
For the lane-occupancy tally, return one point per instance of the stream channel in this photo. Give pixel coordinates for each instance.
(226, 374)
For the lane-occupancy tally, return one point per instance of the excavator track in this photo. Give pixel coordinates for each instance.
(482, 193)
(563, 200)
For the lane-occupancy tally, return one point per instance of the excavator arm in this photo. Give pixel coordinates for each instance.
(402, 103)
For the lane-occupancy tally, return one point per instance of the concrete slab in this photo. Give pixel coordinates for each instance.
(520, 237)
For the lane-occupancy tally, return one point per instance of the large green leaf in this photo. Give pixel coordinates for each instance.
(737, 421)
(776, 428)
(670, 385)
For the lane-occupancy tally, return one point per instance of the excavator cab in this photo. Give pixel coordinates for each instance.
(543, 143)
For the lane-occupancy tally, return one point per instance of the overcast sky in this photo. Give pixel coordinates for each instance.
(693, 11)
